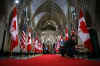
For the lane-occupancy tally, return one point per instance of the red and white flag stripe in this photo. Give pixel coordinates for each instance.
(29, 47)
(29, 38)
(23, 41)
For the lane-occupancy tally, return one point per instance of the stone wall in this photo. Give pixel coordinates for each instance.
(1, 33)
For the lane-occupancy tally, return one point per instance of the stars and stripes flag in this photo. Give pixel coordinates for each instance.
(29, 42)
(33, 44)
(83, 32)
(23, 41)
(14, 32)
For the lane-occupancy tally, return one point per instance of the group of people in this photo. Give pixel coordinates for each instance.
(68, 47)
(48, 49)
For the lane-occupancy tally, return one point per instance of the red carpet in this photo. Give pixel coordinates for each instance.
(48, 60)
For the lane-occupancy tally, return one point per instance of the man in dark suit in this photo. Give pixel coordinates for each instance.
(69, 46)
(62, 50)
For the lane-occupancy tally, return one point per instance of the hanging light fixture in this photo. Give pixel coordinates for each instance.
(16, 1)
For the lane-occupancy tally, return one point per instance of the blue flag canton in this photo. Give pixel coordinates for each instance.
(24, 27)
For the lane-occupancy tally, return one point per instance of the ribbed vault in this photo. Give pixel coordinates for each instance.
(51, 23)
(53, 12)
(48, 6)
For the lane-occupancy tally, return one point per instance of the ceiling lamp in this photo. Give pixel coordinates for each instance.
(17, 1)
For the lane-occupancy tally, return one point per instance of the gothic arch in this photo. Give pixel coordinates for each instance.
(53, 12)
(48, 6)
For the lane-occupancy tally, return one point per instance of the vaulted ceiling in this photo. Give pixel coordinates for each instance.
(54, 13)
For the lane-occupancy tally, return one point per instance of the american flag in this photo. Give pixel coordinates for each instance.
(23, 41)
(29, 41)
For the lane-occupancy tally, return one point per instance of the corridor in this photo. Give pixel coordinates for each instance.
(49, 33)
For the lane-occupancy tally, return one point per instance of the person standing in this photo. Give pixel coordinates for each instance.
(62, 50)
(44, 48)
(69, 46)
(54, 51)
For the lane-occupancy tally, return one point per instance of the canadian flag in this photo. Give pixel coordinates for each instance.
(66, 33)
(38, 45)
(14, 31)
(83, 32)
(29, 47)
